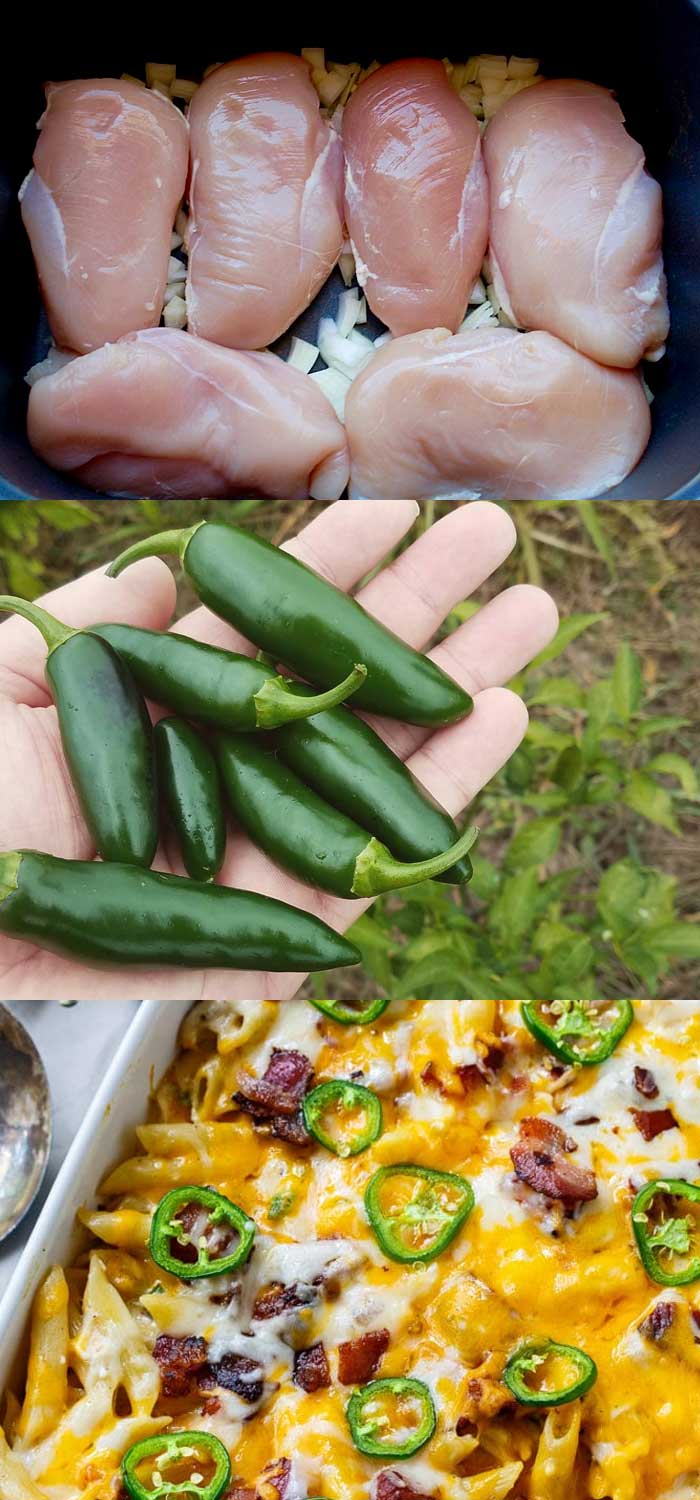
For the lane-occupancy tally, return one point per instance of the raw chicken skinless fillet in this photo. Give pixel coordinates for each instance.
(491, 412)
(416, 197)
(576, 223)
(110, 167)
(164, 413)
(266, 191)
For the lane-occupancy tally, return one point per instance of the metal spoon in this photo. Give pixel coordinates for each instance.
(25, 1122)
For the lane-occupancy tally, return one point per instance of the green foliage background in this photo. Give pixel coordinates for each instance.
(587, 877)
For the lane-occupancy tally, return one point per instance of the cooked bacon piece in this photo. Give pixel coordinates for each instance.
(274, 1483)
(653, 1122)
(237, 1373)
(430, 1076)
(311, 1370)
(540, 1159)
(240, 1492)
(179, 1360)
(277, 1299)
(390, 1485)
(645, 1083)
(470, 1076)
(360, 1358)
(659, 1321)
(486, 1398)
(210, 1408)
(275, 1099)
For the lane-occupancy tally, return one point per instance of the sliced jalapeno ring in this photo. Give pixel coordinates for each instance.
(668, 1236)
(420, 1214)
(343, 1101)
(200, 1245)
(578, 1031)
(382, 1410)
(176, 1463)
(352, 1012)
(530, 1358)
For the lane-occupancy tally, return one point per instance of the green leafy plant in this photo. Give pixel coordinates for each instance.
(23, 569)
(547, 913)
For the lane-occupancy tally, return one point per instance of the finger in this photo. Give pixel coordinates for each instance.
(485, 652)
(453, 557)
(342, 544)
(454, 764)
(143, 595)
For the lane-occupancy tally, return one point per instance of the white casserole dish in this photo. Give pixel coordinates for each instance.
(105, 1135)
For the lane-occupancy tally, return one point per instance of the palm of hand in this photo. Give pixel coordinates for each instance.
(38, 807)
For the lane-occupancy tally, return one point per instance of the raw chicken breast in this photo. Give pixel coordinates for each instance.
(165, 413)
(266, 200)
(491, 412)
(416, 198)
(110, 167)
(576, 223)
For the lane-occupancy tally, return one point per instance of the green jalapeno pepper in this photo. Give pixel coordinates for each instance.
(117, 914)
(670, 1235)
(578, 1031)
(327, 750)
(381, 1413)
(420, 1214)
(532, 1356)
(214, 686)
(189, 780)
(343, 1098)
(106, 735)
(306, 835)
(301, 619)
(170, 1234)
(176, 1463)
(351, 1012)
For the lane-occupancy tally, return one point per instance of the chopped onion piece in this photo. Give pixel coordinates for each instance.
(493, 297)
(472, 96)
(346, 266)
(160, 73)
(362, 312)
(477, 294)
(184, 88)
(646, 389)
(160, 88)
(384, 338)
(367, 72)
(175, 240)
(360, 340)
(339, 353)
(478, 318)
(315, 57)
(347, 314)
(181, 224)
(302, 355)
(177, 270)
(173, 289)
(55, 360)
(486, 272)
(523, 67)
(335, 387)
(329, 87)
(175, 313)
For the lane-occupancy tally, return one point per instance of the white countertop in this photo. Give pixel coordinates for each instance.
(76, 1045)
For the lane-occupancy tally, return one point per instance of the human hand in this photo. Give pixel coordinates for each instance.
(39, 809)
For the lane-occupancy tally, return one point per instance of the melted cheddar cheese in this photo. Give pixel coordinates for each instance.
(455, 1079)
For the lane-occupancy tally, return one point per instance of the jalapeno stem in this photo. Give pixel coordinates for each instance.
(53, 631)
(376, 870)
(276, 703)
(172, 543)
(9, 873)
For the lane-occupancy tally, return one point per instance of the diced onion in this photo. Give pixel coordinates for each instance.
(173, 289)
(339, 353)
(175, 313)
(316, 57)
(181, 224)
(160, 88)
(360, 340)
(478, 318)
(523, 67)
(175, 240)
(184, 88)
(384, 338)
(160, 73)
(177, 270)
(302, 355)
(477, 294)
(348, 312)
(335, 386)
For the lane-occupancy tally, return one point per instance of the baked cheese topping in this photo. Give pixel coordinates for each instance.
(267, 1356)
